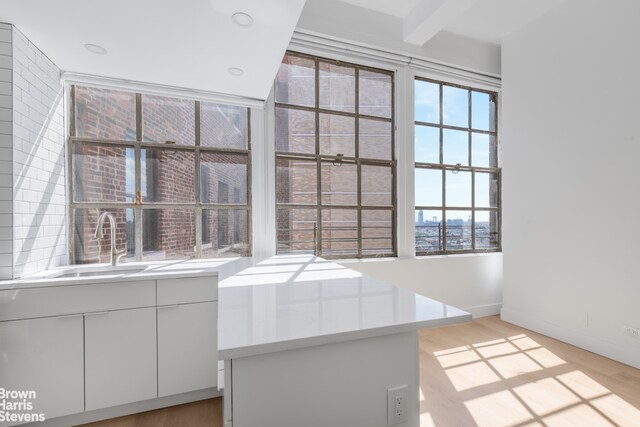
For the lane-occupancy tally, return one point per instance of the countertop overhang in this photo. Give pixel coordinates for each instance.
(288, 302)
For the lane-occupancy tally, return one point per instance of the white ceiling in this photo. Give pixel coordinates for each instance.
(191, 44)
(187, 43)
(397, 8)
(486, 20)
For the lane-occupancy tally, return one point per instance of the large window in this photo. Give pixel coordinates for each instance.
(173, 172)
(457, 175)
(335, 164)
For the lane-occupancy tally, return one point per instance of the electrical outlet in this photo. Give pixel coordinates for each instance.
(397, 404)
(630, 330)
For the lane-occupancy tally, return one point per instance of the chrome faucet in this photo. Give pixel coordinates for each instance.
(115, 254)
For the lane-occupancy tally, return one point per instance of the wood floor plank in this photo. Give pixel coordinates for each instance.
(486, 373)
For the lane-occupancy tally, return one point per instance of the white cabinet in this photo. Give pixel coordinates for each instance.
(92, 346)
(187, 347)
(120, 357)
(44, 355)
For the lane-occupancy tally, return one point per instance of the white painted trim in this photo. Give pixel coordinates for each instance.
(157, 89)
(405, 163)
(313, 42)
(573, 337)
(484, 310)
(263, 181)
(128, 409)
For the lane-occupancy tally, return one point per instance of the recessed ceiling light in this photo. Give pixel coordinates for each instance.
(235, 71)
(94, 48)
(242, 19)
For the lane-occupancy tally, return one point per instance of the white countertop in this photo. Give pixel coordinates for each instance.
(222, 268)
(289, 302)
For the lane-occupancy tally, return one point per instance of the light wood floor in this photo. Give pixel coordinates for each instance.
(487, 373)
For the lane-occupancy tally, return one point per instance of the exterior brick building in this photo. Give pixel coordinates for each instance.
(104, 172)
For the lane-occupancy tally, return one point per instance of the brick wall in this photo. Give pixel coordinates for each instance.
(105, 173)
(39, 207)
(6, 156)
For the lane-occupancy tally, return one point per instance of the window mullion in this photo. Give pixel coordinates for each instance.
(318, 243)
(358, 161)
(137, 215)
(196, 182)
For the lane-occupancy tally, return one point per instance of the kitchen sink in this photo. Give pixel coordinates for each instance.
(97, 271)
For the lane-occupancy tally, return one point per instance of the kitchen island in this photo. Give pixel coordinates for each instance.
(307, 342)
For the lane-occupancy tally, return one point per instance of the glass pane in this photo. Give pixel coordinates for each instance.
(377, 232)
(483, 116)
(296, 230)
(455, 106)
(458, 233)
(486, 191)
(375, 94)
(427, 102)
(295, 131)
(339, 232)
(88, 249)
(167, 176)
(103, 173)
(295, 81)
(168, 120)
(428, 230)
(487, 231)
(427, 148)
(168, 234)
(484, 150)
(428, 183)
(296, 181)
(105, 114)
(458, 188)
(223, 126)
(225, 233)
(339, 184)
(377, 183)
(375, 139)
(337, 135)
(337, 87)
(223, 178)
(455, 147)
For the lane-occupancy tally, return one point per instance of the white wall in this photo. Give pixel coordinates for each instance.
(32, 183)
(470, 282)
(369, 28)
(38, 160)
(6, 178)
(571, 146)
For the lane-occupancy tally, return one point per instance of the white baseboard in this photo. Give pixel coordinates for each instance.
(483, 310)
(574, 337)
(128, 409)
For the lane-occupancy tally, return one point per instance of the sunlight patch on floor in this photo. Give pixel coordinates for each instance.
(581, 415)
(582, 385)
(462, 356)
(500, 409)
(514, 365)
(516, 382)
(618, 410)
(546, 396)
(426, 420)
(471, 375)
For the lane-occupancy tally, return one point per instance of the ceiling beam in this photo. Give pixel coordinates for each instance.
(430, 17)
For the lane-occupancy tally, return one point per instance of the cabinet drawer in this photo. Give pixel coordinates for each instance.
(187, 290)
(61, 300)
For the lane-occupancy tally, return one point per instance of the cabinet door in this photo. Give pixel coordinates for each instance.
(120, 357)
(187, 347)
(45, 356)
